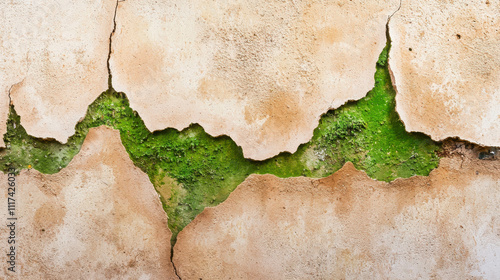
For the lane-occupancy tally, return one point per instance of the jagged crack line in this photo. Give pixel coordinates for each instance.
(389, 20)
(110, 85)
(10, 99)
(399, 8)
(172, 261)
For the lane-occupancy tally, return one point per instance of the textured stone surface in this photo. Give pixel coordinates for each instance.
(445, 226)
(54, 58)
(98, 218)
(445, 59)
(259, 71)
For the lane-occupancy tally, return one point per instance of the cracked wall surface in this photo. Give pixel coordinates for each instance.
(261, 72)
(445, 226)
(445, 61)
(99, 218)
(54, 61)
(206, 169)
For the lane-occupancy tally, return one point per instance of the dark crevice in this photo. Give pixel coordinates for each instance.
(10, 99)
(110, 85)
(172, 261)
(399, 8)
(110, 88)
(389, 20)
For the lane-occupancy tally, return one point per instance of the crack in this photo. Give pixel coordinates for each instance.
(387, 34)
(393, 79)
(10, 99)
(110, 85)
(110, 88)
(399, 8)
(11, 87)
(172, 261)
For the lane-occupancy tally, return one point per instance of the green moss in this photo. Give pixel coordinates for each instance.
(206, 170)
(368, 133)
(24, 151)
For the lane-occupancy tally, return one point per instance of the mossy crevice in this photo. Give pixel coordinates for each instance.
(192, 170)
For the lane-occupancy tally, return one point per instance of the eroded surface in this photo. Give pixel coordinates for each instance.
(446, 65)
(98, 218)
(205, 170)
(259, 71)
(444, 226)
(54, 61)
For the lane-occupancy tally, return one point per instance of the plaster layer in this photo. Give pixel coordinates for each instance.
(259, 71)
(445, 61)
(54, 58)
(98, 218)
(348, 226)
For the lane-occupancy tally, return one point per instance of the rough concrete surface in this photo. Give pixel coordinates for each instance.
(348, 226)
(445, 60)
(54, 58)
(98, 218)
(259, 71)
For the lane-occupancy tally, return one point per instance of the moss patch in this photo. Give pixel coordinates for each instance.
(192, 170)
(368, 133)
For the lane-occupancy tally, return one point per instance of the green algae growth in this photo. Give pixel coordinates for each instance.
(192, 170)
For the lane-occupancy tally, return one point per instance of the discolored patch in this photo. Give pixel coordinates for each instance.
(48, 216)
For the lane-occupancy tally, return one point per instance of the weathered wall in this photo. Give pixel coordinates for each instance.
(445, 226)
(54, 60)
(259, 71)
(99, 218)
(445, 60)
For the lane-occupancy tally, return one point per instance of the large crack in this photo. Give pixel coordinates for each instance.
(110, 105)
(388, 40)
(172, 261)
(110, 87)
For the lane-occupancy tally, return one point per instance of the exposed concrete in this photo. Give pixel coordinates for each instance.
(445, 60)
(98, 218)
(54, 54)
(445, 226)
(259, 71)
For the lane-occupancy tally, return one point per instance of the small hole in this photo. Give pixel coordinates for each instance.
(459, 36)
(410, 49)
